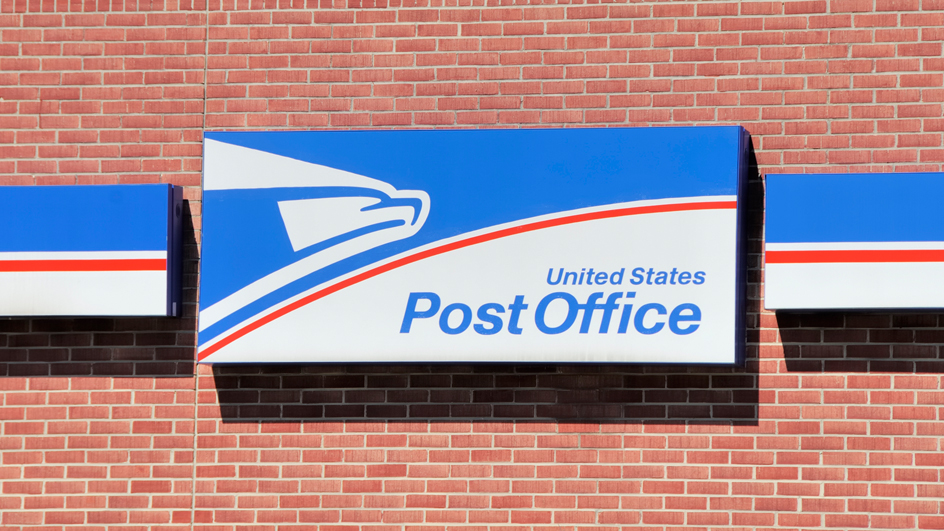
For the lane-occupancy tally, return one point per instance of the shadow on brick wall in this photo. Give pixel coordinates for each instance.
(122, 347)
(862, 342)
(484, 392)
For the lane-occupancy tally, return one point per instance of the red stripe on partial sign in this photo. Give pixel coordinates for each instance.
(870, 256)
(136, 264)
(482, 238)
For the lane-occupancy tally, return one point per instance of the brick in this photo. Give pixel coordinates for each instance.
(109, 97)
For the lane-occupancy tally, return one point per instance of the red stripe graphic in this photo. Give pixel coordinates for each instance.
(452, 246)
(131, 264)
(852, 256)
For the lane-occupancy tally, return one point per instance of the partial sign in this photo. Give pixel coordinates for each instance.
(90, 250)
(569, 245)
(854, 241)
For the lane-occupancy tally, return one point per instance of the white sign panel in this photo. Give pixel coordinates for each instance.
(584, 245)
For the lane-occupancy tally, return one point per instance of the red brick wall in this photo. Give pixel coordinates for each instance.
(835, 422)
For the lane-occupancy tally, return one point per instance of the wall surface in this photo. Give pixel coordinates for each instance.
(837, 420)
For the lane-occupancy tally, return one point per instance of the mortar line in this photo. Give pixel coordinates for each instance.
(196, 367)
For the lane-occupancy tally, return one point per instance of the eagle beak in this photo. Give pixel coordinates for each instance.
(335, 219)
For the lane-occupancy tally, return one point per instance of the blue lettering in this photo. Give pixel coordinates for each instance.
(627, 311)
(608, 308)
(412, 313)
(694, 315)
(516, 308)
(699, 278)
(588, 309)
(486, 317)
(572, 308)
(641, 316)
(683, 320)
(638, 276)
(447, 311)
(550, 272)
(619, 274)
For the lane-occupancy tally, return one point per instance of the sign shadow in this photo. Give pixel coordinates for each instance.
(599, 393)
(857, 342)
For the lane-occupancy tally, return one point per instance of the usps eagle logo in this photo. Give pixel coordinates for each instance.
(284, 226)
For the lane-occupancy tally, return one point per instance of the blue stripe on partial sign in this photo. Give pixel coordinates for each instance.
(84, 218)
(871, 207)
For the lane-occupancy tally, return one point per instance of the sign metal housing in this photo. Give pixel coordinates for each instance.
(100, 250)
(566, 245)
(854, 241)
